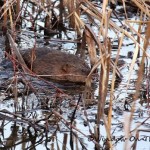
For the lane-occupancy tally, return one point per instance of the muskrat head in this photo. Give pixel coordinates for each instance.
(76, 69)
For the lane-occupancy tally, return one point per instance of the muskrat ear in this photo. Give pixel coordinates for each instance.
(65, 67)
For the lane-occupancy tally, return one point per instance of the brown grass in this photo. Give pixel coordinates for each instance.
(99, 47)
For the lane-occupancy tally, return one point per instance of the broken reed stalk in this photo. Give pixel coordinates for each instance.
(61, 10)
(18, 7)
(139, 31)
(16, 52)
(113, 83)
(52, 145)
(71, 9)
(82, 46)
(58, 146)
(103, 88)
(65, 141)
(76, 143)
(134, 145)
(5, 16)
(4, 28)
(142, 6)
(15, 89)
(90, 9)
(11, 19)
(139, 78)
(141, 68)
(104, 70)
(91, 48)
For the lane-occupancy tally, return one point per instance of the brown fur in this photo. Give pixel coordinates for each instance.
(58, 65)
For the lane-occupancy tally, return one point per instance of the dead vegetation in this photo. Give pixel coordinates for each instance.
(92, 24)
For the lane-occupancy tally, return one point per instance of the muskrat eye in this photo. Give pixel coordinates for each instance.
(66, 67)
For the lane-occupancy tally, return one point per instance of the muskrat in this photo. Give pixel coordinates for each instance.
(57, 65)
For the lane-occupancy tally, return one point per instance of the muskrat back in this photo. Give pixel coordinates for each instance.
(57, 65)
